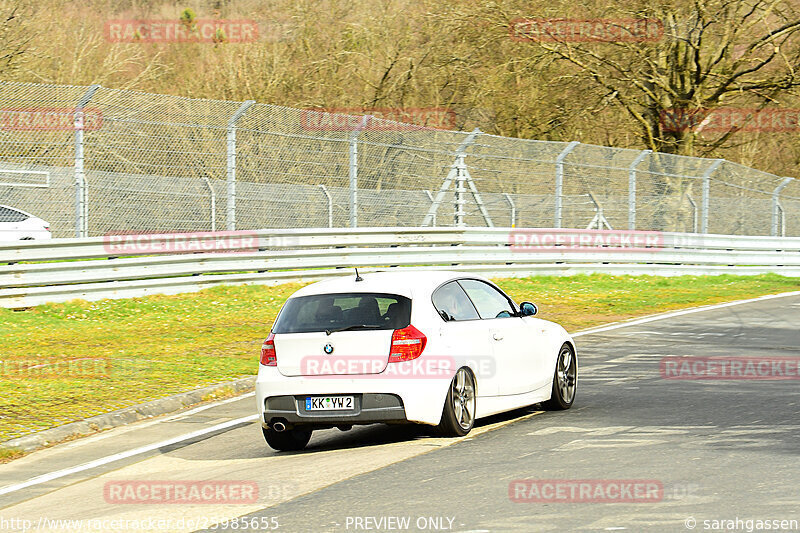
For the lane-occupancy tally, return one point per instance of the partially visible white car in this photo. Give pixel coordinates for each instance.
(18, 225)
(427, 347)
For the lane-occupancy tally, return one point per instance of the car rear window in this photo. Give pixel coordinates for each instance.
(356, 310)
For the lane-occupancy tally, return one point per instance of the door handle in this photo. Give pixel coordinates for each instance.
(497, 336)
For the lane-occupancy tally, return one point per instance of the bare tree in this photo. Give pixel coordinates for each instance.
(15, 35)
(710, 54)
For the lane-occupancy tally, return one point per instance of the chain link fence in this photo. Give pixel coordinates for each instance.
(93, 161)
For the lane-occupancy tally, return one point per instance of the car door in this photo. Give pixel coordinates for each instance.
(510, 339)
(464, 336)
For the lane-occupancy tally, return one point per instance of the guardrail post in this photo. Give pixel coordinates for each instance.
(354, 170)
(513, 209)
(330, 205)
(81, 194)
(776, 206)
(706, 191)
(632, 188)
(230, 215)
(560, 181)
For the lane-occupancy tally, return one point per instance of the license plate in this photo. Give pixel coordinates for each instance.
(329, 403)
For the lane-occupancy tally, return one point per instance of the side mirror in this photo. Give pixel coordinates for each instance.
(528, 309)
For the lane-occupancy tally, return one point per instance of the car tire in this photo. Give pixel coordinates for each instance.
(565, 380)
(290, 440)
(458, 415)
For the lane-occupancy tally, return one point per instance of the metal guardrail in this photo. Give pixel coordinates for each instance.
(32, 273)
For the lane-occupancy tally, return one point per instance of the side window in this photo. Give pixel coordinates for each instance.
(490, 302)
(450, 300)
(11, 215)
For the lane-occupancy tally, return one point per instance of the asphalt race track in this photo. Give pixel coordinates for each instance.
(717, 451)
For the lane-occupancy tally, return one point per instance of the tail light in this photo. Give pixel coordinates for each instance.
(268, 355)
(407, 344)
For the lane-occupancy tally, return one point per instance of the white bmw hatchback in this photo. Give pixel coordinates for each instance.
(428, 347)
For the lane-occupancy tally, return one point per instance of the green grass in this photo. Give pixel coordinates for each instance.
(579, 302)
(161, 345)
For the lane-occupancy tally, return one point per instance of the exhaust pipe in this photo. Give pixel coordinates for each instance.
(278, 426)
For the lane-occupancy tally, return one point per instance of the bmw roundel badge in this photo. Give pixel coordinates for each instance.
(328, 349)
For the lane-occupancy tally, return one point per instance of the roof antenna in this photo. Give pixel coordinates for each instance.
(358, 278)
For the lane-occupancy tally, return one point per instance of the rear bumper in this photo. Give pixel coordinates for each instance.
(380, 399)
(369, 408)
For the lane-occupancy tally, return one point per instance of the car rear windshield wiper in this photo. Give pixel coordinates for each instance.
(354, 326)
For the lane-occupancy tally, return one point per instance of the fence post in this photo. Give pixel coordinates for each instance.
(513, 209)
(694, 212)
(632, 188)
(451, 175)
(706, 191)
(560, 181)
(776, 206)
(213, 196)
(81, 195)
(354, 170)
(460, 191)
(430, 197)
(354, 179)
(330, 205)
(230, 214)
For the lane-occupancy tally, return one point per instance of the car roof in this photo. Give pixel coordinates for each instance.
(409, 283)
